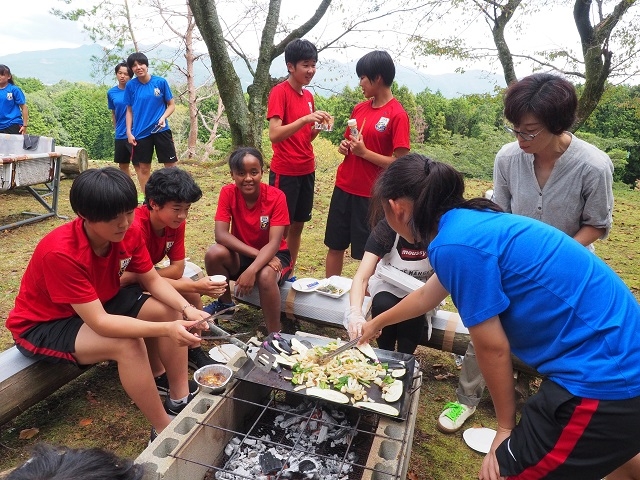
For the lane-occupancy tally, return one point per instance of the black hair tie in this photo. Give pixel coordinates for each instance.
(427, 166)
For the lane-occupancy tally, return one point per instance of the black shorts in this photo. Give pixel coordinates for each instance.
(347, 223)
(55, 341)
(12, 129)
(283, 255)
(163, 144)
(561, 436)
(122, 151)
(299, 191)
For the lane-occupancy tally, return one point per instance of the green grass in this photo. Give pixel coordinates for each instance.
(116, 424)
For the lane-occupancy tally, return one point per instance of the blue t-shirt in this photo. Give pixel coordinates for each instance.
(11, 97)
(564, 311)
(148, 102)
(116, 102)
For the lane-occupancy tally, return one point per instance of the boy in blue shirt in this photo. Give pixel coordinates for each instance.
(149, 104)
(118, 107)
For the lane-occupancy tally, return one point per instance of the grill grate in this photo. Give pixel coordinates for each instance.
(286, 436)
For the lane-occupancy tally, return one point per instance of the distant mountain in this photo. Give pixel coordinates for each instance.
(74, 65)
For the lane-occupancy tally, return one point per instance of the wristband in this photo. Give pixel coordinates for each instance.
(184, 315)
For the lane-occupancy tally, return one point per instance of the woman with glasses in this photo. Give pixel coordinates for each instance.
(547, 174)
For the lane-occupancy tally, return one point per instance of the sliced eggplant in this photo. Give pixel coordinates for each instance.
(283, 342)
(268, 347)
(393, 392)
(398, 372)
(379, 407)
(327, 394)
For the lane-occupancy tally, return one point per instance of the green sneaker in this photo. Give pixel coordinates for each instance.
(453, 417)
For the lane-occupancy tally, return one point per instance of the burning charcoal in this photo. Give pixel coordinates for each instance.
(269, 463)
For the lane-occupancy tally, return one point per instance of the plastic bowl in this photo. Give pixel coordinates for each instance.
(199, 375)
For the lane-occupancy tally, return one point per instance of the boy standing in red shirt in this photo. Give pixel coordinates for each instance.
(249, 231)
(383, 136)
(292, 115)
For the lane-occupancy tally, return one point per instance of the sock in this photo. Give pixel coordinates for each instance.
(180, 401)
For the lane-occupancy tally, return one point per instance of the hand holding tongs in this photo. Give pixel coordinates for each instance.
(213, 317)
(343, 348)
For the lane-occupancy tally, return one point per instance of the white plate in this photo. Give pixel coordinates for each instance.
(306, 285)
(224, 353)
(479, 439)
(343, 283)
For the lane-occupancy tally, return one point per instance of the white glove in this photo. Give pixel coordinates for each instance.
(353, 321)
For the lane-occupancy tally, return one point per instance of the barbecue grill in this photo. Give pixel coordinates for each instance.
(257, 431)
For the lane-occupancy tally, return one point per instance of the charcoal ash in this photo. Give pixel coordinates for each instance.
(308, 427)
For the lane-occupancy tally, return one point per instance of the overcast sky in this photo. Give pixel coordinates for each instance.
(30, 27)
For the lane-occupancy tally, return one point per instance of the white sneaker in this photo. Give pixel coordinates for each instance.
(453, 417)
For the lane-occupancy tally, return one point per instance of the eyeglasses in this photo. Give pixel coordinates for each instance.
(527, 137)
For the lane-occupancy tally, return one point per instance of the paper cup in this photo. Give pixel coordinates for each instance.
(218, 278)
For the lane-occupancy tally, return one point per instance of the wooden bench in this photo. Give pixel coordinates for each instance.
(26, 168)
(24, 381)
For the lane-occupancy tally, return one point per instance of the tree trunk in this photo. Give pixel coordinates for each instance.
(246, 120)
(597, 56)
(192, 139)
(74, 160)
(504, 54)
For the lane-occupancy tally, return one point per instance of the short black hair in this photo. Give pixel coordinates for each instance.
(171, 185)
(63, 463)
(298, 50)
(236, 159)
(101, 194)
(137, 57)
(549, 98)
(377, 63)
(124, 64)
(4, 70)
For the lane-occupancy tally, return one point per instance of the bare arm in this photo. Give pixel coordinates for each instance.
(359, 148)
(171, 106)
(588, 234)
(416, 303)
(265, 255)
(279, 132)
(360, 282)
(223, 236)
(129, 122)
(25, 118)
(494, 358)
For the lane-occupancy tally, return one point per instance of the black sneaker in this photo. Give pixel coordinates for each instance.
(162, 384)
(198, 358)
(173, 409)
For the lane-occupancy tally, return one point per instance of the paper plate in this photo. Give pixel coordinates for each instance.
(479, 439)
(306, 285)
(223, 353)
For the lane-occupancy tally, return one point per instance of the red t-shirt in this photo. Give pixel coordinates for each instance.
(171, 244)
(64, 269)
(386, 129)
(251, 225)
(294, 155)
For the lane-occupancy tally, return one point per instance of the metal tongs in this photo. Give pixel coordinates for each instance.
(210, 318)
(343, 348)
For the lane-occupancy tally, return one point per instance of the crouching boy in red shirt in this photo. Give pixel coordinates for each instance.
(70, 307)
(249, 232)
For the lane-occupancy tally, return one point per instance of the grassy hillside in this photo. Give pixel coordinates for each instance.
(93, 411)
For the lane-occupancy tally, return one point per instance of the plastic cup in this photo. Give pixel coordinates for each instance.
(218, 278)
